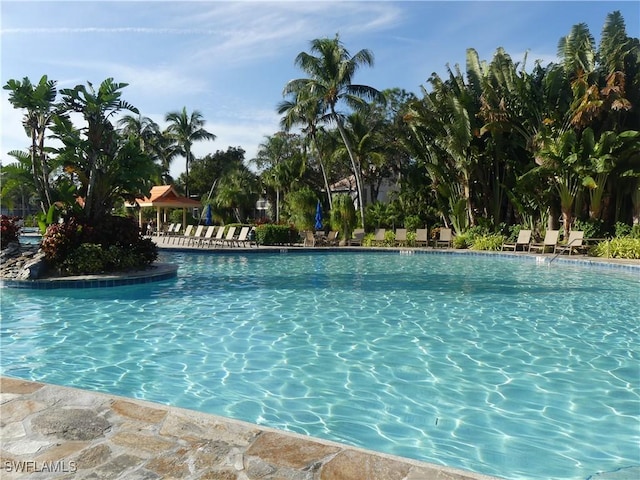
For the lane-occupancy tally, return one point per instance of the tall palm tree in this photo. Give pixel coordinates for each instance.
(187, 129)
(301, 111)
(331, 72)
(38, 102)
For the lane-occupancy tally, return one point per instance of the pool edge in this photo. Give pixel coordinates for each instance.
(139, 437)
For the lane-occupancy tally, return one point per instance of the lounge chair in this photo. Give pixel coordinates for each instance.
(358, 237)
(184, 237)
(421, 237)
(208, 235)
(197, 237)
(524, 239)
(332, 238)
(167, 231)
(243, 237)
(445, 238)
(378, 237)
(309, 239)
(401, 237)
(550, 241)
(218, 238)
(230, 237)
(574, 243)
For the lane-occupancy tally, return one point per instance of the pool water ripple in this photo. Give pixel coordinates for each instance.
(476, 363)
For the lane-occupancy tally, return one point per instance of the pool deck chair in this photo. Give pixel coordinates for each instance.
(185, 236)
(309, 239)
(197, 237)
(378, 237)
(357, 238)
(218, 238)
(524, 239)
(401, 237)
(421, 238)
(445, 238)
(574, 243)
(230, 237)
(208, 236)
(331, 240)
(243, 236)
(167, 231)
(550, 241)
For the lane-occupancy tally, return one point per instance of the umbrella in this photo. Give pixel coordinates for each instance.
(319, 216)
(208, 220)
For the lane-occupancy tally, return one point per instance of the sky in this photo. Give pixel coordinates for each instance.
(230, 60)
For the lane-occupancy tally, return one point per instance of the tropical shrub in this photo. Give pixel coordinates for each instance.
(368, 240)
(413, 222)
(300, 208)
(623, 247)
(622, 229)
(271, 234)
(592, 228)
(462, 241)
(389, 238)
(114, 244)
(488, 242)
(9, 230)
(343, 215)
(87, 258)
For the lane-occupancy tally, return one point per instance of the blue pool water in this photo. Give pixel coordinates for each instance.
(493, 364)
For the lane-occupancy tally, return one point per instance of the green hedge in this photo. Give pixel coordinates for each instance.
(623, 247)
(269, 234)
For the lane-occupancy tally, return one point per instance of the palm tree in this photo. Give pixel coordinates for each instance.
(300, 111)
(330, 82)
(187, 129)
(283, 164)
(97, 153)
(38, 101)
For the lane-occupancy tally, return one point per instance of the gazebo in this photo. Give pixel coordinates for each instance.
(163, 197)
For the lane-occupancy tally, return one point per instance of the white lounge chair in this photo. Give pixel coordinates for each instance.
(197, 237)
(421, 237)
(184, 237)
(550, 241)
(574, 243)
(401, 236)
(524, 239)
(229, 237)
(445, 238)
(378, 237)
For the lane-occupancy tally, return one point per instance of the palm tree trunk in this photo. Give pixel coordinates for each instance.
(324, 172)
(354, 165)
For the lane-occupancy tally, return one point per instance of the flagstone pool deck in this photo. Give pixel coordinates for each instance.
(54, 432)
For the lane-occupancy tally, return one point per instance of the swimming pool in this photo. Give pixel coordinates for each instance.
(493, 364)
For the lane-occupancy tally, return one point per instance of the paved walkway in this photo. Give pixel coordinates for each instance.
(53, 432)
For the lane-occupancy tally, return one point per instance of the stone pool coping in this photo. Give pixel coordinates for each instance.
(50, 431)
(156, 273)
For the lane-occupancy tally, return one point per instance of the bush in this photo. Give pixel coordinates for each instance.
(9, 230)
(114, 244)
(461, 241)
(270, 234)
(413, 222)
(623, 247)
(88, 258)
(591, 228)
(488, 242)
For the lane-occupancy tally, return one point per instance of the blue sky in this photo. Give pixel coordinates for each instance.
(231, 60)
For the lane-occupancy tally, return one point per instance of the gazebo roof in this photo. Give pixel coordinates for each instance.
(166, 196)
